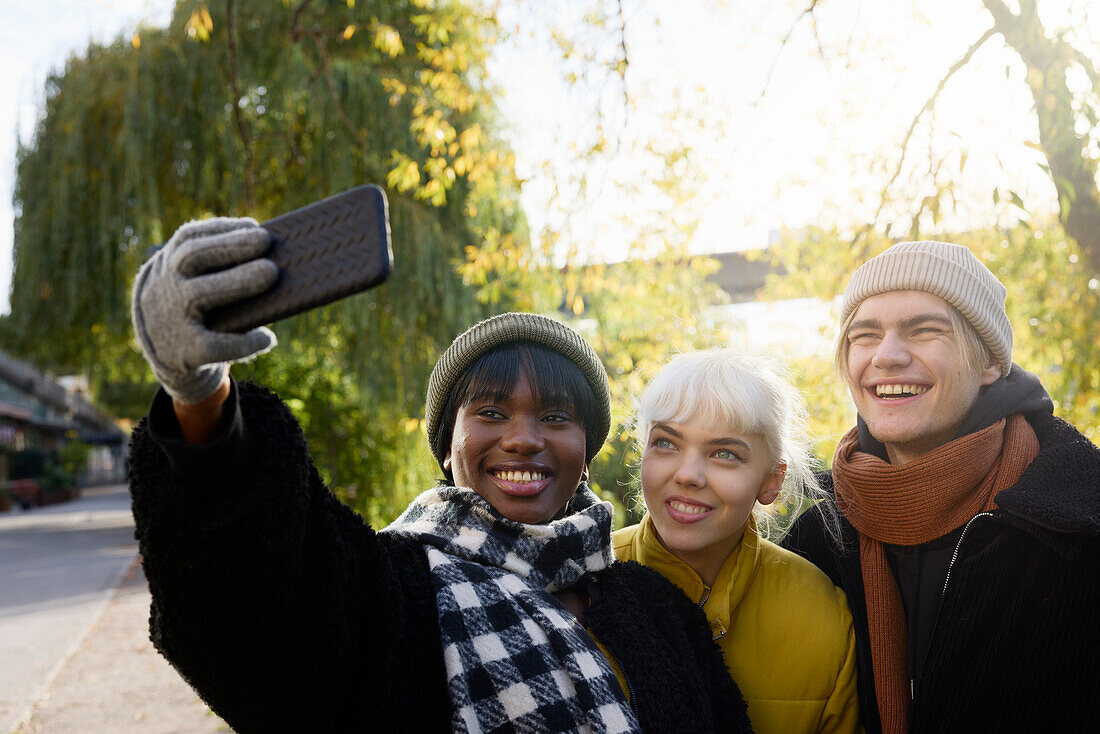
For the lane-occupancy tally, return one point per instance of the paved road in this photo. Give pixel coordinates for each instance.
(73, 626)
(58, 564)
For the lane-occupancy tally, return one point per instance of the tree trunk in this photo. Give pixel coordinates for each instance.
(1071, 167)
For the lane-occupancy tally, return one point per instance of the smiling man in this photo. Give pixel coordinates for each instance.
(971, 514)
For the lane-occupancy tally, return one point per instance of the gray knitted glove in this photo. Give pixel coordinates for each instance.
(175, 288)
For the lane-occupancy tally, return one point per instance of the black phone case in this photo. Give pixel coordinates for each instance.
(325, 251)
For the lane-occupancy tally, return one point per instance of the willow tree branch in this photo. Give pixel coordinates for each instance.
(928, 105)
(787, 39)
(817, 35)
(337, 103)
(624, 56)
(1090, 69)
(297, 32)
(296, 29)
(238, 94)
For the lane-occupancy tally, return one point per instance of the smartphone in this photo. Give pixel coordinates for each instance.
(325, 251)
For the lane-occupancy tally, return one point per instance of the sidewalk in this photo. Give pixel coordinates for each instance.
(116, 682)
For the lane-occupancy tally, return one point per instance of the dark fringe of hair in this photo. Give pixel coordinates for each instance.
(553, 378)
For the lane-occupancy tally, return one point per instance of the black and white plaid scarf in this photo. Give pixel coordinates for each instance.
(516, 660)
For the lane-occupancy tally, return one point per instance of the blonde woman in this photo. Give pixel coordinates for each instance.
(722, 436)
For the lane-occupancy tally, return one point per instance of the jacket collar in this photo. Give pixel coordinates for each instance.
(1060, 489)
(733, 580)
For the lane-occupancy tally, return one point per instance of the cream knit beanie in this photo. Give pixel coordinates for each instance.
(948, 271)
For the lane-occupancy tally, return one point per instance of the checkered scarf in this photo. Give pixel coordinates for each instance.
(516, 660)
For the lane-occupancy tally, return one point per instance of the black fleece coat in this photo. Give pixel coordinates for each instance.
(1016, 646)
(287, 613)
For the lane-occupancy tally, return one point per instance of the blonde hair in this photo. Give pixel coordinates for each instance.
(749, 394)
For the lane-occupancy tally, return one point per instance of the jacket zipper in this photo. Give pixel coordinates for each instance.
(702, 603)
(630, 690)
(947, 579)
(955, 554)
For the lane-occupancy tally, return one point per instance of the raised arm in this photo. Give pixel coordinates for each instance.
(271, 597)
(199, 422)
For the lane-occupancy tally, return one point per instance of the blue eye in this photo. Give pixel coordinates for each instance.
(726, 455)
(661, 443)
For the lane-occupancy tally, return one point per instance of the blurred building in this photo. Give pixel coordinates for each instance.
(40, 415)
(789, 329)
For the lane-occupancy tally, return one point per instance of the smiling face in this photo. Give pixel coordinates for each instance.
(700, 484)
(524, 455)
(907, 372)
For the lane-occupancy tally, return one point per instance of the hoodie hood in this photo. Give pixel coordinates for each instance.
(1018, 392)
(1060, 489)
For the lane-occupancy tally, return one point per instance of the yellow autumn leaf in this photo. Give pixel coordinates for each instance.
(199, 25)
(348, 32)
(388, 40)
(471, 137)
(404, 175)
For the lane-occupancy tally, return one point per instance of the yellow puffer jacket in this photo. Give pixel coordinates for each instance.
(785, 630)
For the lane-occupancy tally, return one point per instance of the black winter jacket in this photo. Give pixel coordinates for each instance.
(287, 613)
(1016, 646)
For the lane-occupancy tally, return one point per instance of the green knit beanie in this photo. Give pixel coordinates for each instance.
(510, 328)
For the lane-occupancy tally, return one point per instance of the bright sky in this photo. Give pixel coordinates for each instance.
(798, 155)
(37, 36)
(794, 158)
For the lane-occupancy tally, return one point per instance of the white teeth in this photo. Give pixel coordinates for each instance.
(883, 390)
(521, 476)
(686, 508)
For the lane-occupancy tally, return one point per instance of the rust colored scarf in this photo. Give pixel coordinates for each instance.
(910, 504)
